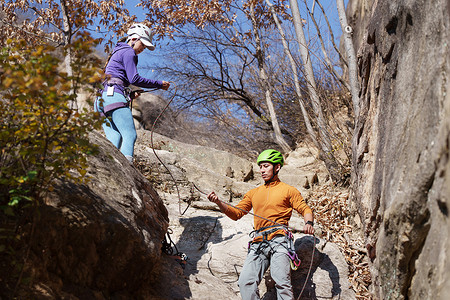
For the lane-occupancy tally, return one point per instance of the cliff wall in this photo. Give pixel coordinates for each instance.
(401, 165)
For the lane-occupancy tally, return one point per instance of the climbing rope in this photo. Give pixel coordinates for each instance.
(276, 223)
(154, 151)
(309, 270)
(130, 95)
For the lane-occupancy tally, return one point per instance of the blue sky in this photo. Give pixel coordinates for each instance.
(329, 6)
(146, 58)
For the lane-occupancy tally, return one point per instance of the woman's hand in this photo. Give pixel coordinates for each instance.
(135, 94)
(165, 85)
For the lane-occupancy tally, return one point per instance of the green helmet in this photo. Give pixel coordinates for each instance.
(272, 156)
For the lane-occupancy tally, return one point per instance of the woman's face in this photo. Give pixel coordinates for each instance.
(139, 47)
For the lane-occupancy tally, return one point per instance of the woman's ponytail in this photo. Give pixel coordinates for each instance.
(122, 40)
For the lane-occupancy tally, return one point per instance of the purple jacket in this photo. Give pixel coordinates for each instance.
(123, 65)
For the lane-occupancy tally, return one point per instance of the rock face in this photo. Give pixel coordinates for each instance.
(102, 239)
(216, 245)
(401, 147)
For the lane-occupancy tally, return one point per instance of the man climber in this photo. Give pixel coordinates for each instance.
(271, 244)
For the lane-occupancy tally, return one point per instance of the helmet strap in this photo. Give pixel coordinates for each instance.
(134, 43)
(275, 173)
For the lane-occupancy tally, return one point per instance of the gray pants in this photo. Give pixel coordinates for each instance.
(259, 257)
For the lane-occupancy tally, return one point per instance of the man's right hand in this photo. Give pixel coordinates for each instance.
(213, 197)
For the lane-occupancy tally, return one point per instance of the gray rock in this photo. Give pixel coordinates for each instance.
(217, 246)
(400, 148)
(101, 239)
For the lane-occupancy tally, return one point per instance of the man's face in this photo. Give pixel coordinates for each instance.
(267, 170)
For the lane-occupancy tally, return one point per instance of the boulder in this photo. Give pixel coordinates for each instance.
(102, 239)
(302, 168)
(99, 239)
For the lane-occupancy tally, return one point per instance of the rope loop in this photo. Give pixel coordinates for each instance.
(182, 212)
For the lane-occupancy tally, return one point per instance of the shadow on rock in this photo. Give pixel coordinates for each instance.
(197, 235)
(317, 286)
(194, 238)
(86, 245)
(306, 248)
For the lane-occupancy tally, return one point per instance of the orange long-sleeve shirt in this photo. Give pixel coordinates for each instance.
(273, 201)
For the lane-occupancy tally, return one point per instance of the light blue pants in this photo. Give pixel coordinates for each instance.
(119, 125)
(273, 253)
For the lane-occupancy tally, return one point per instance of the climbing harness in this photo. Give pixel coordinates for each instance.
(294, 259)
(168, 247)
(280, 226)
(264, 232)
(109, 85)
(129, 95)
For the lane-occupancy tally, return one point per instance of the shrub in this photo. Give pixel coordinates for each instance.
(42, 136)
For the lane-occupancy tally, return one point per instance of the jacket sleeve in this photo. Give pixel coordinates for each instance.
(245, 204)
(298, 203)
(130, 61)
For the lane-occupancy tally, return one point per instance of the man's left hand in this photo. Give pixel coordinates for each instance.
(308, 229)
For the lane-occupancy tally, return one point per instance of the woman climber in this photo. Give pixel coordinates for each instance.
(121, 71)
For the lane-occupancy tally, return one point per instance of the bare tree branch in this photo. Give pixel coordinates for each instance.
(324, 52)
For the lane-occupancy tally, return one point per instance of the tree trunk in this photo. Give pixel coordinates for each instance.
(324, 138)
(67, 40)
(278, 137)
(351, 56)
(309, 127)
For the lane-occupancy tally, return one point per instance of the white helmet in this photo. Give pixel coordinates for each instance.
(144, 33)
